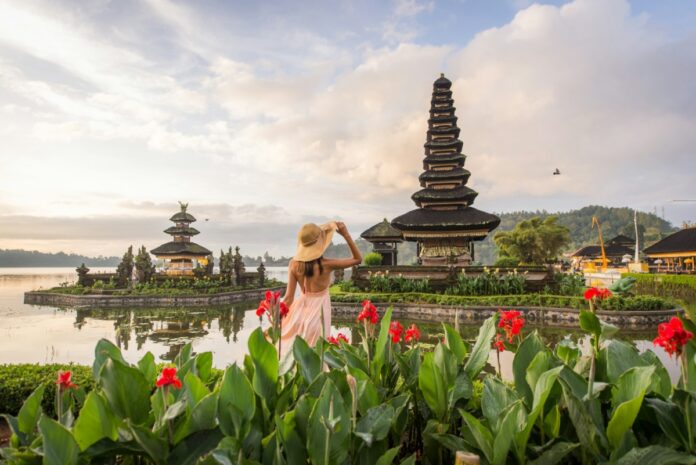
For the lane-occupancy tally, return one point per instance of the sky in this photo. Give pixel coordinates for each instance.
(266, 115)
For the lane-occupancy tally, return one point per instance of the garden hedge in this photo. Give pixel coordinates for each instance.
(665, 285)
(518, 300)
(17, 381)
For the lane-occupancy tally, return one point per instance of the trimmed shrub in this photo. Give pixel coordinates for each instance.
(665, 285)
(373, 259)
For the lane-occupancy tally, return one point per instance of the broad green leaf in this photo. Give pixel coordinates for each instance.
(627, 398)
(671, 420)
(608, 330)
(432, 386)
(455, 343)
(154, 446)
(661, 382)
(481, 434)
(555, 454)
(307, 360)
(388, 457)
(410, 460)
(236, 403)
(195, 389)
(451, 442)
(541, 392)
(590, 323)
(148, 368)
(462, 388)
(376, 424)
(30, 411)
(656, 455)
(103, 351)
(191, 449)
(126, 390)
(632, 383)
(59, 446)
(539, 364)
(482, 348)
(265, 359)
(382, 342)
(512, 421)
(568, 352)
(619, 356)
(585, 428)
(368, 396)
(204, 365)
(95, 422)
(292, 443)
(496, 399)
(446, 362)
(528, 349)
(328, 412)
(183, 356)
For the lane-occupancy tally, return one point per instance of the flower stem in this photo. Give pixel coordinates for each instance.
(59, 404)
(500, 370)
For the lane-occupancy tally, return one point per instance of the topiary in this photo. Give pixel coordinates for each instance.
(373, 259)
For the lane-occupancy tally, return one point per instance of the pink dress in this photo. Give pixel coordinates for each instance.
(305, 320)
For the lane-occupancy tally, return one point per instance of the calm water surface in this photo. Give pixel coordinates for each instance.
(40, 334)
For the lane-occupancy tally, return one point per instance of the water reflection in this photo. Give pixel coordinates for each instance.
(47, 334)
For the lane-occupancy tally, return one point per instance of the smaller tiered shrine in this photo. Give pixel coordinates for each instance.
(180, 255)
(384, 239)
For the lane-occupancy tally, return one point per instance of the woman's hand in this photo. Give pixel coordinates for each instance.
(341, 228)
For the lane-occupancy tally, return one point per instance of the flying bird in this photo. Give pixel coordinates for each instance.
(557, 172)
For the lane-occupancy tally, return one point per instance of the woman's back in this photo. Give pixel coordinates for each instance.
(316, 280)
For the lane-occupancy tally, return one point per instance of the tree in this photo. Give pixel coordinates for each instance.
(533, 241)
(144, 265)
(125, 268)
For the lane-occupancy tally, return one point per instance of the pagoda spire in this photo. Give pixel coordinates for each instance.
(444, 224)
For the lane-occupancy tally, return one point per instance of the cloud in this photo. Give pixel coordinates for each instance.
(313, 123)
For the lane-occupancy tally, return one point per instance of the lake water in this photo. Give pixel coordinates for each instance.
(41, 334)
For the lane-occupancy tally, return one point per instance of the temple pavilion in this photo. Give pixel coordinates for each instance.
(675, 253)
(444, 225)
(615, 250)
(384, 239)
(180, 255)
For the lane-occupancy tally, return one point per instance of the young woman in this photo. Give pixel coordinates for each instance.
(312, 272)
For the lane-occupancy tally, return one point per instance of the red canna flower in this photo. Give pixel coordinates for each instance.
(168, 378)
(511, 322)
(596, 293)
(339, 337)
(283, 310)
(499, 344)
(64, 380)
(369, 313)
(412, 334)
(591, 293)
(672, 336)
(396, 330)
(263, 308)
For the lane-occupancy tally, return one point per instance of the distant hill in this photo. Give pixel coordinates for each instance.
(27, 258)
(614, 221)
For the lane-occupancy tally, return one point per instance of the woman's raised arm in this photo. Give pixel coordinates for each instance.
(341, 263)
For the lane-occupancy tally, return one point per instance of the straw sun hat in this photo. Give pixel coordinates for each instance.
(313, 240)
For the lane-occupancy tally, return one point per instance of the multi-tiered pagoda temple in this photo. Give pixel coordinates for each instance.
(444, 224)
(181, 255)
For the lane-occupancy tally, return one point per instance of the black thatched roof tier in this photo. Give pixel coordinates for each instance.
(182, 217)
(440, 98)
(445, 158)
(177, 231)
(622, 240)
(453, 144)
(459, 193)
(681, 241)
(180, 248)
(442, 83)
(442, 120)
(455, 174)
(444, 131)
(382, 232)
(462, 219)
(611, 250)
